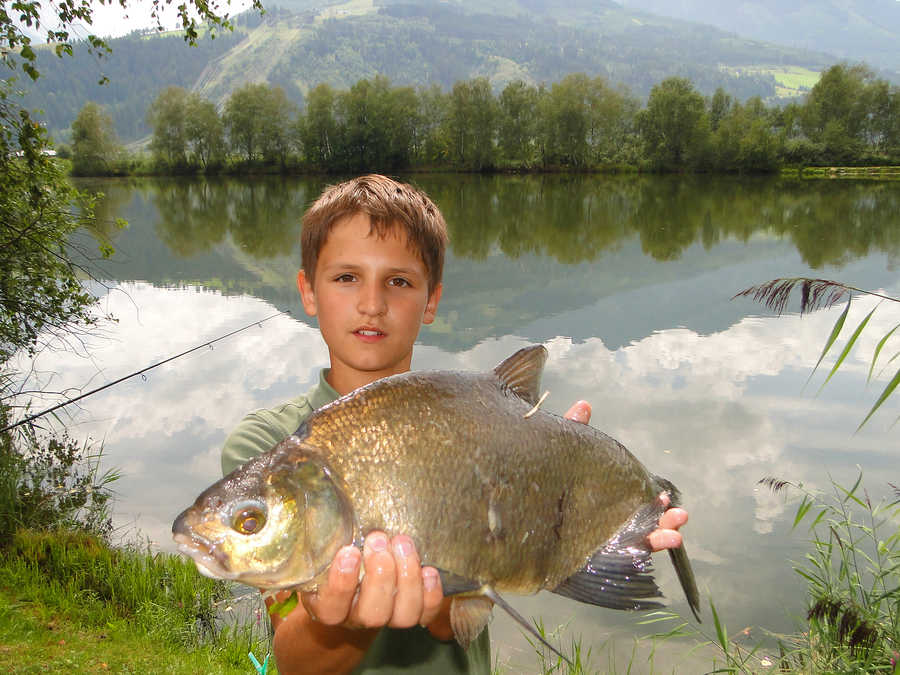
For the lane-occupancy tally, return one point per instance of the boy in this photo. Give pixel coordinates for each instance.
(373, 253)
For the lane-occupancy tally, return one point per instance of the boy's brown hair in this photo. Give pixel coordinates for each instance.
(388, 204)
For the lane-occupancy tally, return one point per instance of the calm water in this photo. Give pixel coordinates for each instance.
(628, 282)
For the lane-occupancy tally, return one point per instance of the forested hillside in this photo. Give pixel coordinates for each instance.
(867, 30)
(140, 67)
(415, 43)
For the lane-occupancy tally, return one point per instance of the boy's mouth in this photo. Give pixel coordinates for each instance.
(368, 334)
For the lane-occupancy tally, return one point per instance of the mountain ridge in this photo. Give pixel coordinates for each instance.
(298, 44)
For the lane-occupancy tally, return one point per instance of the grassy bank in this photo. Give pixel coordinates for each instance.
(869, 172)
(71, 603)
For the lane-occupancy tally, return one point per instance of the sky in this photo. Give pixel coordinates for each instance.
(111, 20)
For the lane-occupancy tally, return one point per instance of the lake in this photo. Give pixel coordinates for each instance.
(628, 281)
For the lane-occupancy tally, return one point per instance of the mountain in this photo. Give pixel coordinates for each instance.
(299, 43)
(856, 30)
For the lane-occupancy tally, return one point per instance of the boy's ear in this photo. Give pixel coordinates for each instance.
(431, 306)
(307, 294)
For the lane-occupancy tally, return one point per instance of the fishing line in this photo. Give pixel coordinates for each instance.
(140, 372)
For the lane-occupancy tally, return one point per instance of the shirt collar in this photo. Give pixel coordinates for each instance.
(323, 393)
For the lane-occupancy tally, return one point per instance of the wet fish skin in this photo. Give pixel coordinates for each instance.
(495, 495)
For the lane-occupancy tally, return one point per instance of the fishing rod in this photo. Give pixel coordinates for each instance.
(210, 343)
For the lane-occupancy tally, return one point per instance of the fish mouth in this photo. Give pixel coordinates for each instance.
(210, 563)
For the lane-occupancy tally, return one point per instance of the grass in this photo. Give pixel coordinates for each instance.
(790, 81)
(71, 603)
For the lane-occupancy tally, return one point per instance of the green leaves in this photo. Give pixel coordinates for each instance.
(888, 390)
(835, 331)
(850, 342)
(824, 292)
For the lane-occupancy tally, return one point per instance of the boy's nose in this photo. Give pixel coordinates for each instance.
(372, 300)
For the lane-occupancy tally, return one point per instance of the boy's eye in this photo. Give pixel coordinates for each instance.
(400, 281)
(345, 278)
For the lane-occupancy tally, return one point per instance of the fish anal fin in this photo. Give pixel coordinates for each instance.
(468, 617)
(521, 372)
(519, 619)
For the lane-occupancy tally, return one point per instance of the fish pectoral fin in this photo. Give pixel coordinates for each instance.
(454, 584)
(468, 617)
(618, 575)
(521, 372)
(506, 607)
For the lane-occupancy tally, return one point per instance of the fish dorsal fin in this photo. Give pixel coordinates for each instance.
(521, 372)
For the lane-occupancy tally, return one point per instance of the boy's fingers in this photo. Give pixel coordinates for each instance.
(330, 603)
(663, 539)
(375, 603)
(667, 535)
(673, 519)
(408, 600)
(432, 595)
(579, 412)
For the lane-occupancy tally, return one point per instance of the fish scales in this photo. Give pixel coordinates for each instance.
(542, 488)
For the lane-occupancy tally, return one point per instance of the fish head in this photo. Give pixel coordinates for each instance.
(275, 522)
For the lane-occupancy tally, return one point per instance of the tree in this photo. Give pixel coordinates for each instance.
(471, 123)
(95, 149)
(569, 120)
(611, 117)
(432, 140)
(258, 119)
(29, 17)
(40, 291)
(317, 129)
(674, 126)
(277, 116)
(167, 117)
(205, 132)
(518, 122)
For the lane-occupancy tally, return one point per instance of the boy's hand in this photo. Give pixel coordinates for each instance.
(396, 590)
(667, 535)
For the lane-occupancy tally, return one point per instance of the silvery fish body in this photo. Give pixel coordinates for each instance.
(496, 493)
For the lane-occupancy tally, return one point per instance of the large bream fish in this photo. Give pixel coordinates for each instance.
(496, 493)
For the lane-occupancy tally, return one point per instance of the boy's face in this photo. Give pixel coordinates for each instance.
(371, 296)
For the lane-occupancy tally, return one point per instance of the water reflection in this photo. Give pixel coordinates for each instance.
(628, 283)
(572, 219)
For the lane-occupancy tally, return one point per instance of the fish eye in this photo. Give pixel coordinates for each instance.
(248, 520)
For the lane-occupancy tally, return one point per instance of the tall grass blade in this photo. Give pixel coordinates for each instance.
(805, 505)
(848, 346)
(839, 324)
(878, 351)
(888, 390)
(721, 630)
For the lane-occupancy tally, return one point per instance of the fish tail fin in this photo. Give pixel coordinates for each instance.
(685, 574)
(505, 606)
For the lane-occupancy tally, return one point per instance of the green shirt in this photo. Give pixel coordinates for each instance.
(394, 650)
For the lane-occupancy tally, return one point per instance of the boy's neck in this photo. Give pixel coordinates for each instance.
(343, 381)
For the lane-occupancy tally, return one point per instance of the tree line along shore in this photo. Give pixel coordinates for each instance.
(849, 118)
